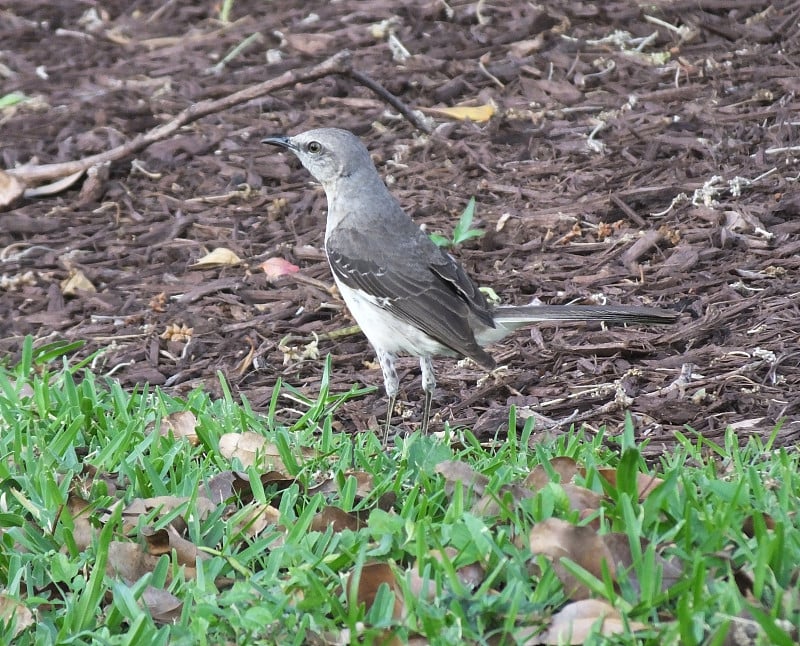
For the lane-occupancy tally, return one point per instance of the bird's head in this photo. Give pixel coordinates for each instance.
(329, 154)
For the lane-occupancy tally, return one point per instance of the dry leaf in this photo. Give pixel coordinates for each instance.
(469, 574)
(139, 507)
(477, 114)
(419, 587)
(364, 484)
(619, 547)
(181, 424)
(13, 612)
(556, 539)
(83, 531)
(220, 257)
(493, 504)
(164, 607)
(130, 562)
(77, 282)
(456, 471)
(167, 540)
(565, 467)
(230, 484)
(645, 484)
(365, 588)
(251, 448)
(335, 518)
(579, 621)
(312, 44)
(582, 499)
(277, 267)
(256, 519)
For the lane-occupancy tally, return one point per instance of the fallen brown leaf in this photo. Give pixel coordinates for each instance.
(579, 621)
(180, 424)
(76, 283)
(276, 267)
(645, 483)
(251, 449)
(456, 471)
(566, 468)
(474, 113)
(219, 257)
(311, 44)
(164, 607)
(335, 518)
(14, 613)
(556, 539)
(167, 540)
(256, 518)
(364, 589)
(144, 507)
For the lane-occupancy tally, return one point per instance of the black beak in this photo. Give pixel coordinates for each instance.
(279, 140)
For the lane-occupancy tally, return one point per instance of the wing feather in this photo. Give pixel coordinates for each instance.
(433, 293)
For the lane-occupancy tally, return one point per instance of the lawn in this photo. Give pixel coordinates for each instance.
(140, 518)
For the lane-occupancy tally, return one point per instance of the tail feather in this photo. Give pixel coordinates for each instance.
(521, 315)
(508, 318)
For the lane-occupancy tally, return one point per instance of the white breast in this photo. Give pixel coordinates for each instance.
(384, 330)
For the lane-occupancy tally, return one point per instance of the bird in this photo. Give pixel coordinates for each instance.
(408, 295)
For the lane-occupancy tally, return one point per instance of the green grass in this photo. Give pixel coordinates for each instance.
(726, 516)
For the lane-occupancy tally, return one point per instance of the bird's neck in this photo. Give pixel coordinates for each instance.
(350, 195)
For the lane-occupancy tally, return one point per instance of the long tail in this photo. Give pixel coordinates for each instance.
(520, 315)
(510, 317)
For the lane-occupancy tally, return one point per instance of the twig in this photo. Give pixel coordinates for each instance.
(337, 64)
(390, 98)
(780, 151)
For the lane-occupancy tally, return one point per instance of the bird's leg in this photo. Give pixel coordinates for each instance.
(387, 425)
(428, 385)
(391, 383)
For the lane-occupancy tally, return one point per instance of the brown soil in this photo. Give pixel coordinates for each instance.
(655, 170)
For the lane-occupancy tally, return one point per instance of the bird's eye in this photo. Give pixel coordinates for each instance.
(314, 147)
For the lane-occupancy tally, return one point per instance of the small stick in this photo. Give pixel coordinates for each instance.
(337, 64)
(390, 98)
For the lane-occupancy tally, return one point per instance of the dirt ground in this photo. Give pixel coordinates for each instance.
(641, 154)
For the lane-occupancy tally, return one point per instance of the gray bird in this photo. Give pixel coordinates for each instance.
(407, 294)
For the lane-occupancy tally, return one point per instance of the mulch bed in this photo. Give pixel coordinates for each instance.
(642, 155)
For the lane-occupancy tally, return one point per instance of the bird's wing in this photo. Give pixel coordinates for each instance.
(413, 279)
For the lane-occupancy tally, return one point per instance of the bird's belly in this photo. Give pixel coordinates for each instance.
(384, 330)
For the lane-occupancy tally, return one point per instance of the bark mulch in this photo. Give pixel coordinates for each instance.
(643, 154)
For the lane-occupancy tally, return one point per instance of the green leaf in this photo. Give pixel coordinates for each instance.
(12, 98)
(463, 230)
(439, 240)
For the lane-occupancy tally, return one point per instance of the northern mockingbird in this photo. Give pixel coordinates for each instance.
(407, 294)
